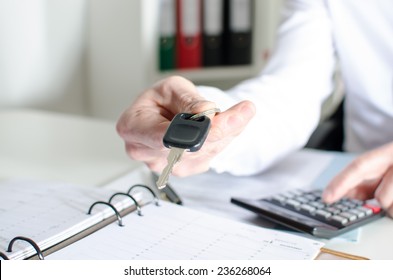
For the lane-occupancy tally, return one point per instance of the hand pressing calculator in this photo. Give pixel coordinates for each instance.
(305, 211)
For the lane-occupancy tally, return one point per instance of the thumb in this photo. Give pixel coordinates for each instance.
(178, 94)
(232, 122)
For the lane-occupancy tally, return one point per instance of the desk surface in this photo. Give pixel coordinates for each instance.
(50, 146)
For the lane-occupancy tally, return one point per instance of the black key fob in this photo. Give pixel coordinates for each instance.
(186, 133)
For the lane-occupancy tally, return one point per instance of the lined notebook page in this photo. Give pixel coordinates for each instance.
(48, 213)
(174, 232)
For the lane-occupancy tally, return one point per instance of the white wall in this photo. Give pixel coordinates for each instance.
(116, 63)
(88, 56)
(42, 54)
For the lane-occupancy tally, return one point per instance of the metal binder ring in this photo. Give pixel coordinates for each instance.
(205, 113)
(138, 207)
(155, 197)
(3, 256)
(120, 220)
(32, 243)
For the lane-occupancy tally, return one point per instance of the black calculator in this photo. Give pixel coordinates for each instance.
(304, 210)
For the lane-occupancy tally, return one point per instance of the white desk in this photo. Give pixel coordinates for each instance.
(51, 146)
(80, 150)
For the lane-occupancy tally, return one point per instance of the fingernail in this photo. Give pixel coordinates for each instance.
(234, 121)
(247, 111)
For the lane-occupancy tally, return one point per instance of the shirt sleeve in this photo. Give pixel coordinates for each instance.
(288, 93)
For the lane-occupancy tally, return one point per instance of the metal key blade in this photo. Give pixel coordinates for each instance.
(173, 157)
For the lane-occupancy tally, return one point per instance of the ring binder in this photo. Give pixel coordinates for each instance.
(155, 197)
(79, 235)
(138, 207)
(32, 243)
(111, 206)
(62, 234)
(3, 256)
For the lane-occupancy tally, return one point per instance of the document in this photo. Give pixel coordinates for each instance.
(51, 214)
(173, 232)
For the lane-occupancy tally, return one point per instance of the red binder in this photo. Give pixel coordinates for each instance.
(189, 35)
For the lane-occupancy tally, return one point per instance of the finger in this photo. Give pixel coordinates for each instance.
(364, 191)
(142, 128)
(225, 127)
(144, 153)
(389, 211)
(231, 122)
(367, 167)
(384, 192)
(177, 95)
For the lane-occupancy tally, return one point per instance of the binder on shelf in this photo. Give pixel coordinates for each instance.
(213, 28)
(238, 23)
(189, 35)
(167, 35)
(52, 221)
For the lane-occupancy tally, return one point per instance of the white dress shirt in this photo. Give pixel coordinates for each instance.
(290, 90)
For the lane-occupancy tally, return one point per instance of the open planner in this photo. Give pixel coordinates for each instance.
(127, 221)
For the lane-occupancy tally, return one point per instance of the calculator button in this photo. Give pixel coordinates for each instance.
(358, 213)
(308, 208)
(367, 211)
(339, 220)
(297, 192)
(279, 198)
(374, 208)
(293, 203)
(349, 204)
(317, 204)
(341, 207)
(288, 195)
(318, 193)
(357, 202)
(310, 197)
(333, 210)
(301, 199)
(322, 213)
(351, 217)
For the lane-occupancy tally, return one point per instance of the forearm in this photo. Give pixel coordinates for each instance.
(287, 94)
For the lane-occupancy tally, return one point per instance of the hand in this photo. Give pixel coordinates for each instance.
(368, 176)
(143, 125)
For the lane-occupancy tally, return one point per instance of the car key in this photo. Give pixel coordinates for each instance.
(185, 132)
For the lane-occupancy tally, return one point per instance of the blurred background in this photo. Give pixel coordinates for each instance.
(93, 57)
